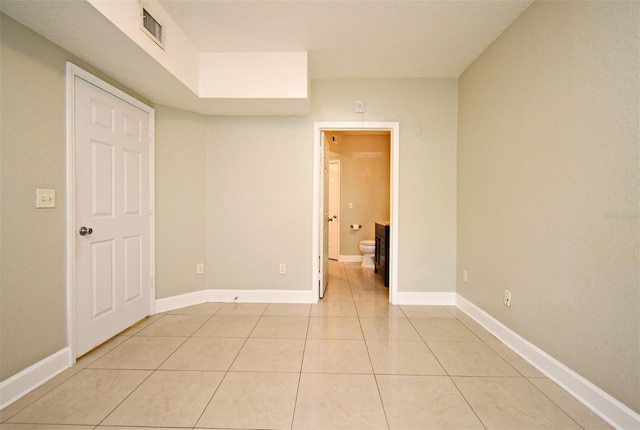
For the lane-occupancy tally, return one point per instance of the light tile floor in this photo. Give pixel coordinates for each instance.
(352, 361)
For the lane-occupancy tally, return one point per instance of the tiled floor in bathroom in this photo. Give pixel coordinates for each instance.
(350, 362)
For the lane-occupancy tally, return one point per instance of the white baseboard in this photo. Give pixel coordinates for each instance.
(33, 376)
(434, 299)
(350, 258)
(263, 296)
(238, 296)
(611, 410)
(182, 301)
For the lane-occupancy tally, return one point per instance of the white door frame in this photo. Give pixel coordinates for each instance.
(318, 194)
(74, 71)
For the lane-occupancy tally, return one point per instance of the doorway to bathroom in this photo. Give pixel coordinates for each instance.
(358, 191)
(354, 203)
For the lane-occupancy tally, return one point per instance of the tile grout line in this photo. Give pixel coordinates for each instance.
(226, 373)
(78, 369)
(351, 276)
(373, 371)
(447, 374)
(222, 379)
(467, 401)
(521, 376)
(304, 348)
(552, 401)
(126, 397)
(153, 371)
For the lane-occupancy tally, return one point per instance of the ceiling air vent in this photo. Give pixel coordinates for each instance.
(152, 27)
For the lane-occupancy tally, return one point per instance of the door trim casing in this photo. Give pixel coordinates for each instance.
(394, 129)
(73, 71)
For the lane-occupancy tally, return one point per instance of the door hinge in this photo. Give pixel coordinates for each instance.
(151, 283)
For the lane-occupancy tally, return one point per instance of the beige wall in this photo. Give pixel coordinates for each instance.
(181, 196)
(364, 182)
(548, 203)
(253, 175)
(547, 193)
(33, 290)
(427, 111)
(259, 203)
(259, 185)
(33, 297)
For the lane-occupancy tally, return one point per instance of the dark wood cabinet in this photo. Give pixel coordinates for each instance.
(382, 251)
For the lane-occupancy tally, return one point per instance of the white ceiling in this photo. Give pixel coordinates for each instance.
(352, 38)
(343, 38)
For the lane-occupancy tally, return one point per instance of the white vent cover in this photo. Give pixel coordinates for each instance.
(152, 27)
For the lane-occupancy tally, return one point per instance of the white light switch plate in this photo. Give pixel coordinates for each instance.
(45, 198)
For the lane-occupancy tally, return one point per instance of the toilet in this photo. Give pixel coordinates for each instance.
(368, 249)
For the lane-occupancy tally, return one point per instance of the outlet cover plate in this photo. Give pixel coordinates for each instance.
(45, 198)
(507, 298)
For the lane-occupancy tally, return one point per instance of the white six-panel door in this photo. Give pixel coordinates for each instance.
(113, 204)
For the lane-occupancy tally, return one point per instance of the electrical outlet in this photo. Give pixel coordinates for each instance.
(283, 268)
(465, 276)
(507, 298)
(200, 268)
(45, 198)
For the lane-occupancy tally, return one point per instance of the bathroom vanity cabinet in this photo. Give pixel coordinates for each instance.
(382, 251)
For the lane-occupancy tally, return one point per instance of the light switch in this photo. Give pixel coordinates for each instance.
(45, 198)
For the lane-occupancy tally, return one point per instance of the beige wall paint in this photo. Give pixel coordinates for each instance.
(548, 194)
(257, 190)
(33, 298)
(259, 179)
(364, 182)
(33, 290)
(548, 168)
(427, 112)
(259, 203)
(181, 184)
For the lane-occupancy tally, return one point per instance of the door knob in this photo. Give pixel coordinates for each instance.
(85, 230)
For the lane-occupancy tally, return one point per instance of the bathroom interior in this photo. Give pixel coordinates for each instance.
(359, 196)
